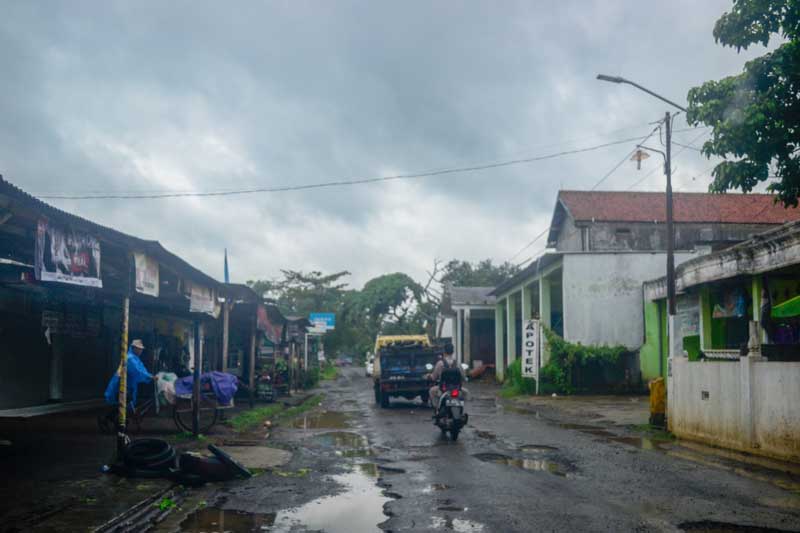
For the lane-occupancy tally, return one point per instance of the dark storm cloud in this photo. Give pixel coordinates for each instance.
(122, 96)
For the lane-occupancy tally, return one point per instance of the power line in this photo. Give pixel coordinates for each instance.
(547, 229)
(684, 147)
(337, 183)
(625, 159)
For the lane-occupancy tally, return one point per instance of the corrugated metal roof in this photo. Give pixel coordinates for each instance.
(471, 295)
(152, 248)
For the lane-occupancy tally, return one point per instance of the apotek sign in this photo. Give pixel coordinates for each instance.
(530, 349)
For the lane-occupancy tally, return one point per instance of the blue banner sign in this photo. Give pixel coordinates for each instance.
(326, 320)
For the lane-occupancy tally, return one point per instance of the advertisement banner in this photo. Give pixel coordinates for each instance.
(530, 349)
(67, 256)
(147, 281)
(323, 320)
(202, 300)
(272, 331)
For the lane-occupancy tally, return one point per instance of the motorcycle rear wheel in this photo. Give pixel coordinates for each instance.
(454, 434)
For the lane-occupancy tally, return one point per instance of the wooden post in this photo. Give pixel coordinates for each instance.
(198, 361)
(225, 333)
(252, 363)
(122, 399)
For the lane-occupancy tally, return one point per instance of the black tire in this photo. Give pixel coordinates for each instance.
(454, 434)
(150, 454)
(182, 414)
(425, 398)
(206, 468)
(384, 401)
(377, 395)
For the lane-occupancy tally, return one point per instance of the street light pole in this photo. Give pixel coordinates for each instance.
(668, 171)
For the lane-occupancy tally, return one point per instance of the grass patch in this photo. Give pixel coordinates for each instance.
(288, 473)
(184, 436)
(166, 504)
(310, 403)
(252, 418)
(329, 372)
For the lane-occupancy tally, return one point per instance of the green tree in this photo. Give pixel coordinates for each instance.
(481, 274)
(755, 115)
(300, 293)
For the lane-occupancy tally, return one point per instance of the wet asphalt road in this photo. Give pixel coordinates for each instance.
(358, 466)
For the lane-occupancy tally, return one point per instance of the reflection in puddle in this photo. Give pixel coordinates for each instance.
(358, 508)
(536, 448)
(456, 524)
(535, 465)
(435, 487)
(211, 520)
(347, 444)
(321, 420)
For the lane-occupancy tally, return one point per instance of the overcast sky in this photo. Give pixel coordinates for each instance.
(200, 96)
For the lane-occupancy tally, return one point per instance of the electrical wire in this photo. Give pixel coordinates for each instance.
(337, 183)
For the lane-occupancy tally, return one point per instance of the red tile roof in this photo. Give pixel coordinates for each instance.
(622, 206)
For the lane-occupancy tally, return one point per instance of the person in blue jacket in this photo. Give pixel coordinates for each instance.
(137, 373)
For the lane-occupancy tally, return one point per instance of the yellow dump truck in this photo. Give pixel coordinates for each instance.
(400, 367)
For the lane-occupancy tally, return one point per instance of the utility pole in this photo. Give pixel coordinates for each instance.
(670, 220)
(668, 171)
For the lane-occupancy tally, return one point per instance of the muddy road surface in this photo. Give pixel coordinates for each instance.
(357, 467)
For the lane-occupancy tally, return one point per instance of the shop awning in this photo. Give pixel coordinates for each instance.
(789, 308)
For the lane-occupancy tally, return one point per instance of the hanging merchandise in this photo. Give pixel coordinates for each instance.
(147, 281)
(67, 256)
(733, 304)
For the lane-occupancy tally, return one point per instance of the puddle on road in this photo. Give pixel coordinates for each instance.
(435, 487)
(534, 465)
(708, 526)
(212, 520)
(536, 448)
(643, 443)
(456, 524)
(345, 443)
(359, 507)
(321, 420)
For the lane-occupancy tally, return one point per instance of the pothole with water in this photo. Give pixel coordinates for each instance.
(531, 464)
(357, 507)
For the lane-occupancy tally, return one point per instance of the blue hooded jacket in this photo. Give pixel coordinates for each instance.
(137, 373)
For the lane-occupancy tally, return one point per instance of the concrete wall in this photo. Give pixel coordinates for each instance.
(603, 295)
(650, 236)
(569, 237)
(748, 405)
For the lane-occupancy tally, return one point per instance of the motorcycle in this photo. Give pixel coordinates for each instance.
(450, 414)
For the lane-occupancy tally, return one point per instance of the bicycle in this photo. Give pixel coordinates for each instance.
(182, 414)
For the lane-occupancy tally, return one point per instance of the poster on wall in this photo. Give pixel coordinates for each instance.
(272, 330)
(530, 349)
(146, 274)
(202, 300)
(686, 322)
(67, 256)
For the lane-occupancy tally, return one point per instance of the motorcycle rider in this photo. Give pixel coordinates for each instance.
(447, 362)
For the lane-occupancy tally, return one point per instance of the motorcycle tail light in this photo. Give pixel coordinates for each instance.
(454, 393)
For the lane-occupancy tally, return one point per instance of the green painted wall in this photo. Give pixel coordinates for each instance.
(649, 352)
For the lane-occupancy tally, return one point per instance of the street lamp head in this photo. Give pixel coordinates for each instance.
(612, 79)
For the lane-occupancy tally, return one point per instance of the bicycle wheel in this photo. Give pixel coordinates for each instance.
(182, 414)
